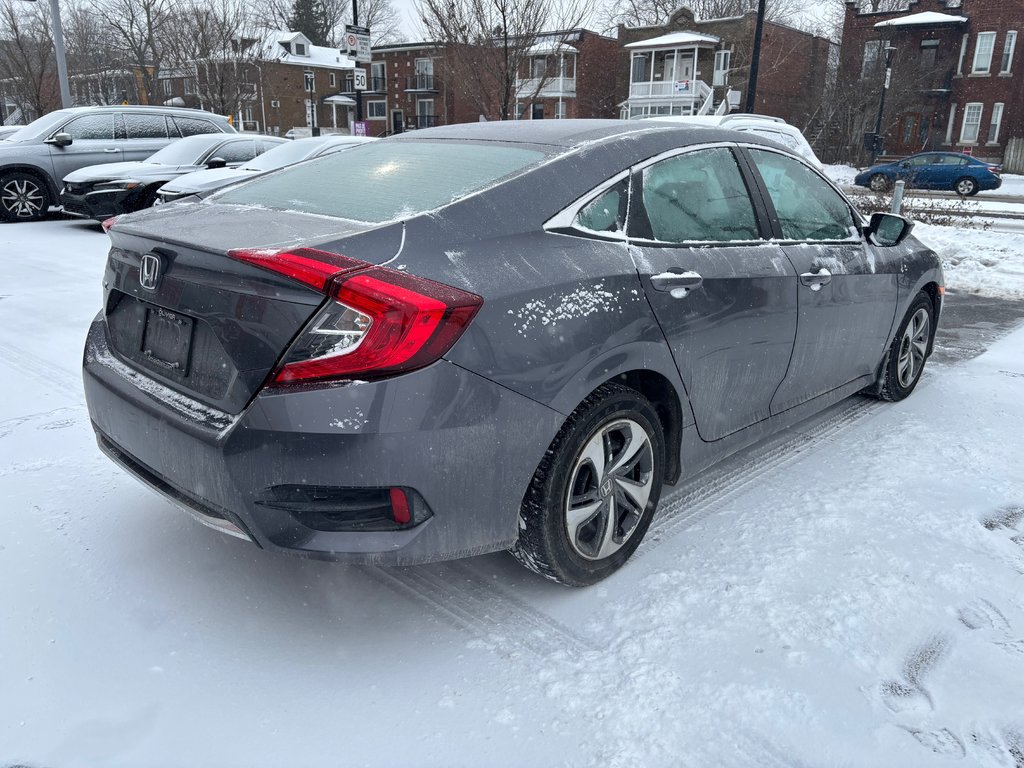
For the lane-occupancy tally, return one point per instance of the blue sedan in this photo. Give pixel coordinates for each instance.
(961, 173)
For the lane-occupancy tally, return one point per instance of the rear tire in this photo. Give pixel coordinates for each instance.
(594, 494)
(879, 183)
(23, 197)
(909, 350)
(966, 187)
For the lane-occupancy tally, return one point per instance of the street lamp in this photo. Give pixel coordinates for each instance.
(58, 52)
(889, 51)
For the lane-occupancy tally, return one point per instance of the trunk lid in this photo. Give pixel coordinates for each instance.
(180, 310)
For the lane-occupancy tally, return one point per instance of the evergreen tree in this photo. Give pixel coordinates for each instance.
(310, 17)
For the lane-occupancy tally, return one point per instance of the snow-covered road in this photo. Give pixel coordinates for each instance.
(849, 593)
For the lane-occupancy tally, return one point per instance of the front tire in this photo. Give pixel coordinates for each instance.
(594, 494)
(966, 187)
(23, 197)
(909, 350)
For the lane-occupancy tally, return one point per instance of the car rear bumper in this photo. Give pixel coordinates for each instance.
(464, 445)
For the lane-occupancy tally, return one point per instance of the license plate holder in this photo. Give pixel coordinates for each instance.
(167, 339)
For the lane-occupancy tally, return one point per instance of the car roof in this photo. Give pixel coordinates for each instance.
(183, 111)
(572, 133)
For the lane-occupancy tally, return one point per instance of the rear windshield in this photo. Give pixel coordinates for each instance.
(384, 180)
(185, 151)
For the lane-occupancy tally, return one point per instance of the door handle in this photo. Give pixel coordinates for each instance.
(111, 150)
(678, 284)
(814, 280)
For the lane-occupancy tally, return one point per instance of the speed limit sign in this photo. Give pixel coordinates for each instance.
(359, 79)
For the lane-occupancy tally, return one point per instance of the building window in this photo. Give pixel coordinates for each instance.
(537, 112)
(560, 110)
(872, 52)
(641, 70)
(539, 67)
(1008, 46)
(333, 80)
(971, 124)
(300, 49)
(949, 123)
(376, 110)
(721, 74)
(928, 50)
(378, 77)
(983, 53)
(275, 104)
(190, 86)
(166, 84)
(963, 52)
(993, 125)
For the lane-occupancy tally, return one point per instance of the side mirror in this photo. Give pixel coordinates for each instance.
(888, 229)
(60, 140)
(216, 162)
(904, 164)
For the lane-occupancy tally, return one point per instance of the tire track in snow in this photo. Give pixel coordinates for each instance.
(36, 367)
(461, 596)
(711, 489)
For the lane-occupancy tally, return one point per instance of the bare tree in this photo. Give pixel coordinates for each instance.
(140, 30)
(379, 15)
(646, 13)
(27, 66)
(487, 42)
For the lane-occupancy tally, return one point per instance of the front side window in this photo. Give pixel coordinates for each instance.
(396, 180)
(807, 206)
(972, 122)
(236, 151)
(97, 127)
(698, 197)
(983, 53)
(1008, 46)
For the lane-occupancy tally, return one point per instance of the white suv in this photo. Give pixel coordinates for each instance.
(774, 128)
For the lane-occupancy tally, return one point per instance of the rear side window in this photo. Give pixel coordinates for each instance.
(606, 212)
(145, 126)
(807, 207)
(91, 127)
(699, 196)
(190, 126)
(384, 180)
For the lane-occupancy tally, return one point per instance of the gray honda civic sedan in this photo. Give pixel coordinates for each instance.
(493, 336)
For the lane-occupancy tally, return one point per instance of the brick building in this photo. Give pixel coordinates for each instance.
(955, 82)
(688, 66)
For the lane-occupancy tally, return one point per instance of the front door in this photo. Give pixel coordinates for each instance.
(724, 296)
(92, 143)
(846, 290)
(397, 121)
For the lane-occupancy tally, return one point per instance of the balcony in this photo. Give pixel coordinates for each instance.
(545, 87)
(421, 83)
(683, 90)
(373, 85)
(426, 121)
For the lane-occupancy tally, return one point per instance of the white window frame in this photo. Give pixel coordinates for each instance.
(982, 63)
(423, 103)
(332, 79)
(1006, 62)
(723, 59)
(300, 49)
(968, 108)
(561, 110)
(995, 123)
(167, 86)
(383, 76)
(963, 53)
(869, 62)
(383, 108)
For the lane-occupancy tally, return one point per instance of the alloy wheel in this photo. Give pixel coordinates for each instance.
(965, 187)
(913, 348)
(609, 487)
(22, 198)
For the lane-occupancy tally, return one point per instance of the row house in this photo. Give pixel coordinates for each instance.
(954, 75)
(270, 85)
(694, 67)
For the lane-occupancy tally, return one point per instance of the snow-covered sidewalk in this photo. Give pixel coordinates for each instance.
(849, 593)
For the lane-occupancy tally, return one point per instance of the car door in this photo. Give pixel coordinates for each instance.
(846, 295)
(92, 143)
(144, 134)
(234, 152)
(724, 296)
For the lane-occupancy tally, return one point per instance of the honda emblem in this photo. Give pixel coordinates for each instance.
(149, 271)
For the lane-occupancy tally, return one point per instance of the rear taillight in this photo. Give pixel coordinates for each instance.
(108, 223)
(995, 169)
(379, 322)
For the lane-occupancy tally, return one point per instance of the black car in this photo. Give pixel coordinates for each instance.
(101, 191)
(492, 336)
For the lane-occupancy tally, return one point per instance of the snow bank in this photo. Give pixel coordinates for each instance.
(975, 261)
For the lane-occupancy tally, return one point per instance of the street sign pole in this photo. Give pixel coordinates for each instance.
(359, 94)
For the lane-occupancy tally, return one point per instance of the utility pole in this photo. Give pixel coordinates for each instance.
(58, 53)
(755, 58)
(359, 94)
(889, 51)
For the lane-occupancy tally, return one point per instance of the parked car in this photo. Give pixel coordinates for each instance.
(101, 191)
(774, 128)
(278, 157)
(493, 335)
(8, 130)
(34, 159)
(960, 173)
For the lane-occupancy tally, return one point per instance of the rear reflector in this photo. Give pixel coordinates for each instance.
(400, 506)
(380, 322)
